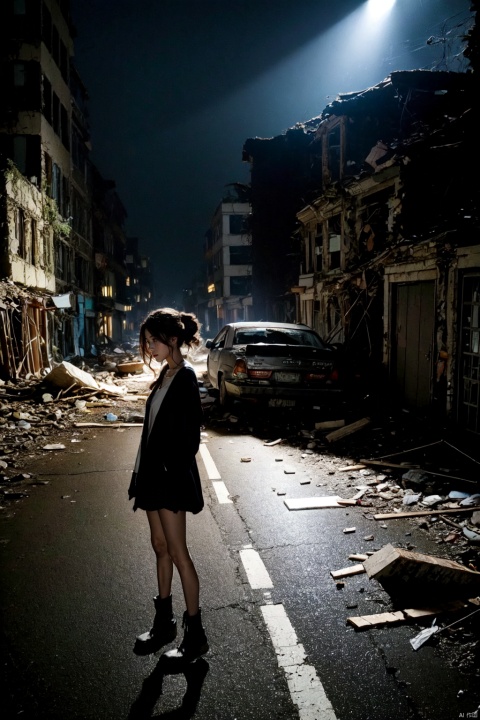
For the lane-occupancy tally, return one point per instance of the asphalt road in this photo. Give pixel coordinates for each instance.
(78, 580)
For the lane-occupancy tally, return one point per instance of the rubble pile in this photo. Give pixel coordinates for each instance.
(38, 416)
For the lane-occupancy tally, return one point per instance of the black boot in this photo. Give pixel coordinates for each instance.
(194, 643)
(163, 631)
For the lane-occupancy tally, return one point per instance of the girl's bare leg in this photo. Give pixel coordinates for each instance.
(174, 529)
(164, 561)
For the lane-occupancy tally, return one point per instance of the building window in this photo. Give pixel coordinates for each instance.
(59, 259)
(319, 248)
(334, 242)
(240, 254)
(57, 184)
(20, 232)
(47, 99)
(48, 173)
(19, 7)
(20, 152)
(238, 224)
(56, 45)
(56, 114)
(46, 27)
(64, 130)
(19, 74)
(33, 242)
(241, 285)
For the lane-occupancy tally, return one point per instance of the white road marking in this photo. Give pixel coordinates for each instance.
(221, 491)
(213, 475)
(210, 466)
(305, 687)
(257, 574)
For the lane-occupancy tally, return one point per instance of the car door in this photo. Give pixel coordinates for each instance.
(213, 358)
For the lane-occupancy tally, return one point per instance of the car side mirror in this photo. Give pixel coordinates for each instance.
(209, 343)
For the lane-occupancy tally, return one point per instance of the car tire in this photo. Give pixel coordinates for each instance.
(223, 397)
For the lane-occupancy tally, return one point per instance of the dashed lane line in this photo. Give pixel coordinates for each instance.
(213, 475)
(257, 574)
(306, 690)
(305, 687)
(210, 466)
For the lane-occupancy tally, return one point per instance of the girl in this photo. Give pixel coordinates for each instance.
(165, 482)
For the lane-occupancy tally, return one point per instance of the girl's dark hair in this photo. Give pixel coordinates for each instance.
(166, 323)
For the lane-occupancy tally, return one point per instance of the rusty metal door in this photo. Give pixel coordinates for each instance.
(413, 334)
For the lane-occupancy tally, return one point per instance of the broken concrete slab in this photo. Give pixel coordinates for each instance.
(311, 503)
(66, 375)
(402, 572)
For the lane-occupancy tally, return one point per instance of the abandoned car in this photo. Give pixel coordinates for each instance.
(275, 364)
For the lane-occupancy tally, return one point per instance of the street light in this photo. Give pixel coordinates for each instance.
(378, 8)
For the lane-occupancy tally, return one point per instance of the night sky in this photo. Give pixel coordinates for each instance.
(177, 86)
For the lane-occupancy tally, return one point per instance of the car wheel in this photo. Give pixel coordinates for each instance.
(223, 396)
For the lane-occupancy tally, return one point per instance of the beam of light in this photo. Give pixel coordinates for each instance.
(379, 8)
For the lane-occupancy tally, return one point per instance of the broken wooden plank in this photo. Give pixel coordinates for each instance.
(347, 501)
(359, 557)
(107, 425)
(347, 430)
(384, 463)
(405, 571)
(328, 424)
(361, 622)
(419, 513)
(408, 466)
(346, 468)
(347, 572)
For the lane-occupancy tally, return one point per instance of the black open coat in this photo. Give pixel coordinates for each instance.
(167, 476)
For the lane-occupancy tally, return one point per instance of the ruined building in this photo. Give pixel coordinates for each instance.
(390, 248)
(368, 215)
(63, 274)
(228, 258)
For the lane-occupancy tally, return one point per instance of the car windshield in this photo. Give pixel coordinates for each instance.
(277, 336)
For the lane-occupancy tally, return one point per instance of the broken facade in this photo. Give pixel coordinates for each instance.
(47, 233)
(390, 252)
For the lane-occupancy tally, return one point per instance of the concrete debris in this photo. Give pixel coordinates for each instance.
(401, 571)
(66, 376)
(347, 430)
(432, 500)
